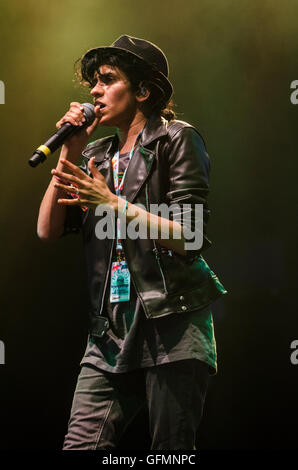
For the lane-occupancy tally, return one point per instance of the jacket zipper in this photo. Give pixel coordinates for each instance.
(155, 249)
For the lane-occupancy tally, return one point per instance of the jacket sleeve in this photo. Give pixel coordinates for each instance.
(189, 168)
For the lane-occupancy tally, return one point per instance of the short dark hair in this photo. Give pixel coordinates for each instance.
(138, 72)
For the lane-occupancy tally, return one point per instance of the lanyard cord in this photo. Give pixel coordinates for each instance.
(119, 187)
(115, 163)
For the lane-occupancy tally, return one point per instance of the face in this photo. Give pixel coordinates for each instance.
(115, 103)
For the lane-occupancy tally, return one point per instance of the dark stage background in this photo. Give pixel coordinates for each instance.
(232, 63)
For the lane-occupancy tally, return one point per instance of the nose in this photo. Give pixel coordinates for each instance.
(97, 90)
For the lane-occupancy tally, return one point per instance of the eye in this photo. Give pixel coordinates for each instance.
(102, 79)
(107, 78)
(92, 84)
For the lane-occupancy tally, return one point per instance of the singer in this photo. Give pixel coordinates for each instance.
(151, 340)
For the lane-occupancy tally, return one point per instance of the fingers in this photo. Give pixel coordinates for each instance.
(66, 176)
(93, 169)
(77, 195)
(77, 175)
(71, 202)
(74, 115)
(89, 192)
(73, 168)
(67, 189)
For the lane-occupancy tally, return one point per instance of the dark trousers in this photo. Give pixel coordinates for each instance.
(104, 404)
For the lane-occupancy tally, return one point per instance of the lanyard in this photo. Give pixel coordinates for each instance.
(115, 164)
(119, 187)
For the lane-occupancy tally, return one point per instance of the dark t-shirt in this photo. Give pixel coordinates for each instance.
(137, 342)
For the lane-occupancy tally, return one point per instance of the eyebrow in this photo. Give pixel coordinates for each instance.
(111, 73)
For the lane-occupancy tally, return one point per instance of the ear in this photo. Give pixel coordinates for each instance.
(143, 93)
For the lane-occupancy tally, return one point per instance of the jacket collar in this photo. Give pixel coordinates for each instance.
(141, 163)
(102, 149)
(105, 148)
(155, 127)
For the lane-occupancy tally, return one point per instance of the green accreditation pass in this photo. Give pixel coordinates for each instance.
(120, 282)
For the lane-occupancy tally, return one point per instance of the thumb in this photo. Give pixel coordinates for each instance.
(94, 171)
(92, 126)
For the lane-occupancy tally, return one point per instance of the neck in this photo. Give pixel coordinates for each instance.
(128, 133)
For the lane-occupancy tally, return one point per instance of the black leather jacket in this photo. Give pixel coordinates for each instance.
(170, 165)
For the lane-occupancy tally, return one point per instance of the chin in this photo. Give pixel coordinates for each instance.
(108, 122)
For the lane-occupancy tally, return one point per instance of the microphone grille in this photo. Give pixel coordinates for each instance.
(89, 113)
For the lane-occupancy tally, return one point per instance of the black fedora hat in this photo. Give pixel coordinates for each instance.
(147, 52)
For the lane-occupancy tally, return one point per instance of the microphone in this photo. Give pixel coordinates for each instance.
(56, 140)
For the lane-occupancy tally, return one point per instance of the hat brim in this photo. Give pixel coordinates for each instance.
(158, 77)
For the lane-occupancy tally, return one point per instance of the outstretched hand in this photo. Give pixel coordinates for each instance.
(89, 191)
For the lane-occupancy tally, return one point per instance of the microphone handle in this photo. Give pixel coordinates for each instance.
(59, 137)
(52, 144)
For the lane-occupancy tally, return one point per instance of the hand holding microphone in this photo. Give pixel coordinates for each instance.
(79, 117)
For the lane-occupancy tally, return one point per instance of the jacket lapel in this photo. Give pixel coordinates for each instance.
(137, 172)
(106, 170)
(103, 151)
(142, 160)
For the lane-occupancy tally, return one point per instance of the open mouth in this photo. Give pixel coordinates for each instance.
(99, 106)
